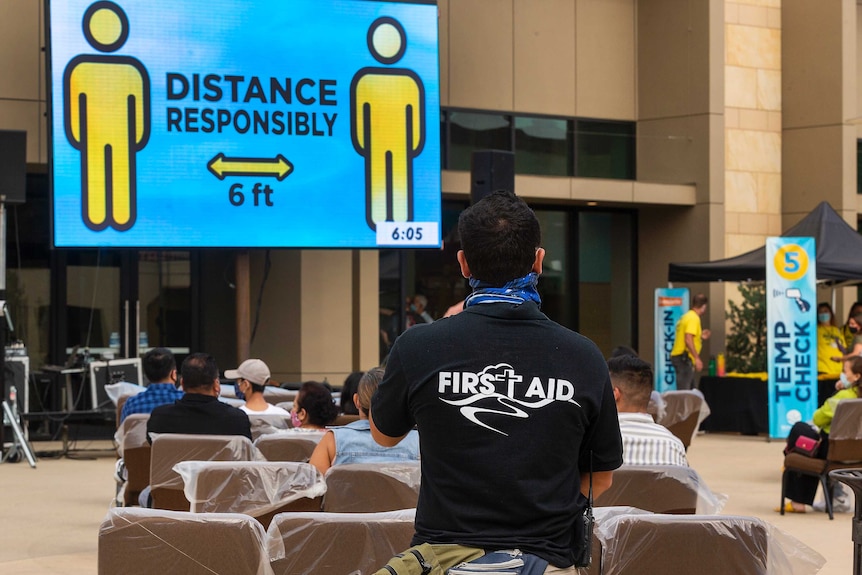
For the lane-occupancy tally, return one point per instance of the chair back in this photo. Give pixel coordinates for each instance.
(257, 488)
(138, 541)
(135, 451)
(290, 446)
(337, 543)
(660, 544)
(845, 434)
(682, 413)
(168, 449)
(344, 419)
(265, 424)
(660, 489)
(121, 401)
(371, 487)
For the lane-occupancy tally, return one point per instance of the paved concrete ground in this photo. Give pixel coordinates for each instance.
(50, 515)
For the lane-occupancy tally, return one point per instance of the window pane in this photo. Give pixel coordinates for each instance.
(470, 131)
(605, 150)
(543, 146)
(605, 278)
(554, 284)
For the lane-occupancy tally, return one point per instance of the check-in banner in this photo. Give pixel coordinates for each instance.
(670, 304)
(791, 319)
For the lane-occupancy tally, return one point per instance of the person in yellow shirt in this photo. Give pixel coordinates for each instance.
(829, 341)
(685, 355)
(801, 489)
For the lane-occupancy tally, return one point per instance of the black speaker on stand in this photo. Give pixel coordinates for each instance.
(491, 171)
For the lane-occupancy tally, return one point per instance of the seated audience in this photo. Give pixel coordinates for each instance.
(313, 407)
(160, 368)
(801, 489)
(251, 377)
(645, 442)
(199, 410)
(351, 384)
(352, 443)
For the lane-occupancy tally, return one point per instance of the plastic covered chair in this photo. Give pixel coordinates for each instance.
(139, 541)
(257, 488)
(135, 451)
(337, 543)
(288, 445)
(661, 489)
(661, 544)
(266, 424)
(845, 451)
(168, 449)
(684, 412)
(371, 487)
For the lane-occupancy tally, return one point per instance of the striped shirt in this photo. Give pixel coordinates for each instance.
(645, 442)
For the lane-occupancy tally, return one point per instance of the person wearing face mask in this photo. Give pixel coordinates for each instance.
(251, 377)
(801, 489)
(313, 407)
(849, 332)
(830, 342)
(854, 348)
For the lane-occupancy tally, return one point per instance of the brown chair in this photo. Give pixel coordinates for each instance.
(168, 449)
(135, 451)
(661, 489)
(266, 424)
(845, 451)
(260, 489)
(371, 487)
(344, 419)
(290, 446)
(337, 543)
(139, 541)
(662, 544)
(682, 413)
(120, 403)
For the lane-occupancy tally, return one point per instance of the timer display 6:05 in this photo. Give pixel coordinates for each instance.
(407, 234)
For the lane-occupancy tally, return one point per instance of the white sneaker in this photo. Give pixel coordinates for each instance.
(120, 473)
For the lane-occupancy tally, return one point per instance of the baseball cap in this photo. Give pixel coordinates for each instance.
(253, 370)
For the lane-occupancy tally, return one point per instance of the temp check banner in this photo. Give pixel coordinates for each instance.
(670, 304)
(791, 320)
(245, 123)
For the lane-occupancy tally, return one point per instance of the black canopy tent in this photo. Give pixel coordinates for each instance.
(839, 254)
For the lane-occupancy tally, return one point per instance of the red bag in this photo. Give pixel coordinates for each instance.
(806, 446)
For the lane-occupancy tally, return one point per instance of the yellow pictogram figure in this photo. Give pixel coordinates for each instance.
(387, 123)
(107, 118)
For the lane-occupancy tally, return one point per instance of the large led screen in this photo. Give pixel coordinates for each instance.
(244, 123)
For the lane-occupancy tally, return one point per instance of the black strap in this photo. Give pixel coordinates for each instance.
(426, 567)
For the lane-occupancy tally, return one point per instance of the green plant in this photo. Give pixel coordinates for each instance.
(746, 339)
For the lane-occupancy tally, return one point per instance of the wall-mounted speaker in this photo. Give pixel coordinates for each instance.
(491, 171)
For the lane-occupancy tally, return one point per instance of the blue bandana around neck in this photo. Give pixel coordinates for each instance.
(514, 292)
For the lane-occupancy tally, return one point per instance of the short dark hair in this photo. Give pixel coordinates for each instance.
(316, 399)
(199, 371)
(699, 300)
(633, 376)
(351, 384)
(158, 363)
(499, 236)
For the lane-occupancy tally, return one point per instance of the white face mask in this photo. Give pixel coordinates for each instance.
(845, 381)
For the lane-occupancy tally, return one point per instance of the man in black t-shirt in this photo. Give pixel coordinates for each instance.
(513, 409)
(199, 410)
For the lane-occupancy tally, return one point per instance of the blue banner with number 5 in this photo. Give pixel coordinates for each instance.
(791, 320)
